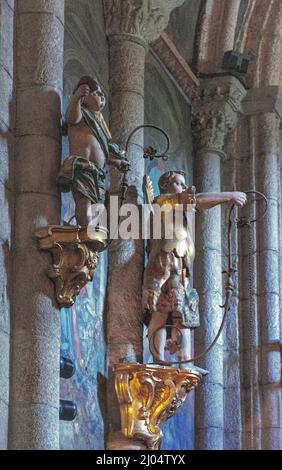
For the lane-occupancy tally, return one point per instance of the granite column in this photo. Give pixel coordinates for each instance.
(34, 411)
(215, 115)
(6, 206)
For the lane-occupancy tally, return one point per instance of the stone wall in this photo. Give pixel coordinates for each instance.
(6, 205)
(184, 36)
(35, 339)
(168, 109)
(252, 360)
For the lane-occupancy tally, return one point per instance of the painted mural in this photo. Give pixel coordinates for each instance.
(82, 340)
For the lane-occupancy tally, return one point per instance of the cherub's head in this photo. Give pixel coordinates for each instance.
(96, 99)
(172, 182)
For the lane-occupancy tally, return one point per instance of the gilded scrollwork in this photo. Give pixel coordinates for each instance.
(75, 258)
(148, 395)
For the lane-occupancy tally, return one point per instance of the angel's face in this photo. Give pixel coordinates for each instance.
(96, 100)
(176, 184)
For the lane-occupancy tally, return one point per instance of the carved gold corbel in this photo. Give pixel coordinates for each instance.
(148, 396)
(75, 258)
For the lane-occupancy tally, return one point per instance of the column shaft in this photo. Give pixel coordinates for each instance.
(124, 318)
(215, 115)
(209, 398)
(247, 307)
(126, 256)
(6, 205)
(266, 131)
(34, 415)
(230, 178)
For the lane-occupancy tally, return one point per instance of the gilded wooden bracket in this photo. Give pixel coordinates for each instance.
(75, 258)
(148, 396)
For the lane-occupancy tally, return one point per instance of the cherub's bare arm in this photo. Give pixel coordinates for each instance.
(74, 114)
(203, 200)
(209, 200)
(175, 199)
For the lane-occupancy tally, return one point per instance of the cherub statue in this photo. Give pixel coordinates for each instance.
(167, 291)
(84, 172)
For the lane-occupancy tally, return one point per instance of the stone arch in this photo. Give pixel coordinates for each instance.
(217, 33)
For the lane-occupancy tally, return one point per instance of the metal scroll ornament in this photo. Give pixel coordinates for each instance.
(241, 222)
(148, 396)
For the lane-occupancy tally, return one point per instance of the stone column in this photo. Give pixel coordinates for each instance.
(280, 234)
(265, 110)
(235, 175)
(216, 34)
(34, 411)
(131, 26)
(6, 205)
(215, 114)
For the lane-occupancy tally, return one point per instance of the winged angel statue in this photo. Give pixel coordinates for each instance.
(168, 297)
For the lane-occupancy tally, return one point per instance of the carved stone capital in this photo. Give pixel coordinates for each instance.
(143, 19)
(75, 258)
(215, 111)
(148, 396)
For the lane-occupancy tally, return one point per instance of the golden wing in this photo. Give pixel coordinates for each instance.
(148, 191)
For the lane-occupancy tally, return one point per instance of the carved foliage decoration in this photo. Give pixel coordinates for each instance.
(215, 110)
(143, 18)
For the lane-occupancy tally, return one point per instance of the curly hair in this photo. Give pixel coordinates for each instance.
(164, 180)
(92, 82)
